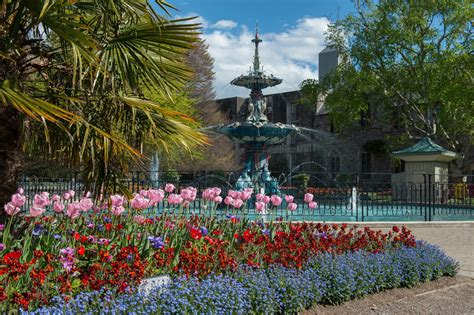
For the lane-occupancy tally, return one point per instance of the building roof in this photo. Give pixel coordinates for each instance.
(425, 146)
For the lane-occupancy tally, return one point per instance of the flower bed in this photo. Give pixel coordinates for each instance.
(326, 278)
(81, 248)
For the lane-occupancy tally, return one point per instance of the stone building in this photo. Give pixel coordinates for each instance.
(320, 148)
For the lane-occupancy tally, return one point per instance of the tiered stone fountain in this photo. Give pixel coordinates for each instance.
(257, 133)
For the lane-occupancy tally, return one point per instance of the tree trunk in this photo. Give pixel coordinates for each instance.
(10, 155)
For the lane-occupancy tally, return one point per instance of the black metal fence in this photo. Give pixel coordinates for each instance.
(340, 197)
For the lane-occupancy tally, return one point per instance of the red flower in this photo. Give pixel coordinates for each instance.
(395, 229)
(77, 236)
(196, 234)
(81, 250)
(217, 232)
(108, 226)
(236, 235)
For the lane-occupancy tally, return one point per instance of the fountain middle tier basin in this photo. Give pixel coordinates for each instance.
(257, 133)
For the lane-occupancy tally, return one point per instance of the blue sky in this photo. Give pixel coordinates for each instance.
(292, 33)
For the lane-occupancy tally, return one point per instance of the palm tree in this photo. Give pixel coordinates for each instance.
(73, 80)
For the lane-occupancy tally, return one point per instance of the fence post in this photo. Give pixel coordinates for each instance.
(431, 197)
(423, 197)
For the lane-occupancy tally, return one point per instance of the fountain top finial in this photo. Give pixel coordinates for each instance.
(256, 79)
(256, 58)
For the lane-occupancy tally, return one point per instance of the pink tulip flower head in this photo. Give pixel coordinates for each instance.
(289, 198)
(169, 188)
(312, 205)
(66, 196)
(139, 219)
(174, 199)
(117, 210)
(238, 203)
(216, 190)
(86, 204)
(10, 209)
(186, 194)
(21, 191)
(245, 195)
(58, 207)
(259, 197)
(73, 210)
(117, 200)
(266, 199)
(233, 194)
(207, 194)
(156, 195)
(36, 211)
(41, 200)
(18, 200)
(260, 206)
(292, 206)
(228, 200)
(276, 200)
(308, 197)
(144, 193)
(139, 202)
(218, 199)
(72, 193)
(55, 198)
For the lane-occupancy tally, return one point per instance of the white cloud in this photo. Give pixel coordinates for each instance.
(224, 25)
(291, 55)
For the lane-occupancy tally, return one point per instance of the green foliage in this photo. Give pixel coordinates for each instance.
(96, 81)
(377, 146)
(412, 58)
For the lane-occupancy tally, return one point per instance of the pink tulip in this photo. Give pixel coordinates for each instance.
(238, 203)
(58, 207)
(174, 199)
(36, 211)
(260, 206)
(55, 198)
(73, 210)
(66, 196)
(266, 199)
(292, 206)
(259, 197)
(156, 195)
(245, 195)
(41, 200)
(169, 188)
(10, 209)
(139, 202)
(308, 197)
(216, 190)
(144, 192)
(218, 199)
(86, 204)
(232, 193)
(21, 191)
(117, 200)
(228, 200)
(207, 194)
(18, 200)
(186, 194)
(276, 200)
(249, 190)
(117, 210)
(87, 194)
(289, 198)
(139, 219)
(312, 205)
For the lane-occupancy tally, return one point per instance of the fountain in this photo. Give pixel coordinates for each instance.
(256, 133)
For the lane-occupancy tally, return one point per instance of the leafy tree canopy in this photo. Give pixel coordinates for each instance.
(412, 58)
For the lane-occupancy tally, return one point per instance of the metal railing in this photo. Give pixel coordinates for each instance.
(340, 197)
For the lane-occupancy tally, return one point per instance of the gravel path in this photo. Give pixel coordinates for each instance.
(444, 296)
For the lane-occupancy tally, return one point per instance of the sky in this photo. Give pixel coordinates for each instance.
(292, 34)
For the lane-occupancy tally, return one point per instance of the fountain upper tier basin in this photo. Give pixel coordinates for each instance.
(257, 133)
(257, 80)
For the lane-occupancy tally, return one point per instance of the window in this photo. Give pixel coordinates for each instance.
(366, 164)
(294, 113)
(335, 164)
